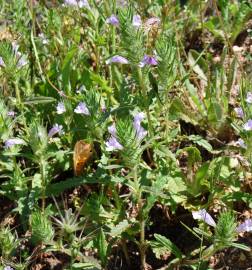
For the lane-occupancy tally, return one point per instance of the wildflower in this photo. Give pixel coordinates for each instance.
(112, 130)
(62, 94)
(121, 3)
(22, 61)
(60, 108)
(8, 268)
(43, 38)
(239, 112)
(148, 60)
(82, 109)
(70, 2)
(83, 3)
(113, 20)
(15, 141)
(246, 226)
(249, 97)
(55, 129)
(81, 89)
(140, 131)
(248, 126)
(117, 59)
(15, 47)
(2, 62)
(151, 22)
(241, 143)
(137, 22)
(113, 144)
(103, 107)
(11, 113)
(203, 215)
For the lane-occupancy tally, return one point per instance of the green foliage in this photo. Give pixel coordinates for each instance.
(225, 232)
(187, 156)
(9, 242)
(41, 228)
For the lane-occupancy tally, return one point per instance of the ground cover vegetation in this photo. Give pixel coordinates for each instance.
(125, 134)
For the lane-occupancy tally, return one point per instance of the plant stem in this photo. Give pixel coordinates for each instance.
(144, 93)
(142, 243)
(43, 181)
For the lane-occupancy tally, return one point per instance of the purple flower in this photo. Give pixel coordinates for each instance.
(248, 126)
(70, 2)
(203, 215)
(103, 107)
(113, 144)
(84, 3)
(55, 129)
(140, 131)
(246, 226)
(112, 130)
(75, 3)
(121, 3)
(148, 60)
(2, 62)
(241, 143)
(81, 89)
(15, 141)
(152, 21)
(82, 109)
(113, 20)
(117, 59)
(60, 108)
(11, 113)
(239, 112)
(43, 38)
(249, 97)
(8, 268)
(15, 47)
(137, 22)
(22, 61)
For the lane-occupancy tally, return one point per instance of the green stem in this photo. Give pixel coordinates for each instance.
(43, 181)
(144, 93)
(142, 243)
(17, 92)
(33, 42)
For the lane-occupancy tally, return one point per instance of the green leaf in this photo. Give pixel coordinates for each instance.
(193, 92)
(169, 245)
(84, 266)
(66, 67)
(119, 228)
(159, 249)
(215, 112)
(193, 154)
(201, 172)
(200, 141)
(56, 188)
(39, 100)
(241, 246)
(178, 110)
(102, 246)
(198, 64)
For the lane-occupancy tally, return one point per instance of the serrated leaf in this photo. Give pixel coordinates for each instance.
(202, 142)
(169, 245)
(159, 249)
(119, 228)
